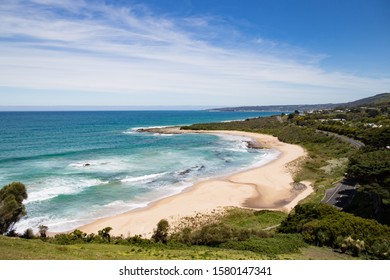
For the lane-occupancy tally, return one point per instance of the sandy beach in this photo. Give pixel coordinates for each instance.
(266, 187)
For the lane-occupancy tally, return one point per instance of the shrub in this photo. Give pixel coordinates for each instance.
(42, 231)
(28, 234)
(105, 234)
(279, 244)
(325, 225)
(161, 233)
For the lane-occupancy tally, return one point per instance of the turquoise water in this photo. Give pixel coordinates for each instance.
(80, 166)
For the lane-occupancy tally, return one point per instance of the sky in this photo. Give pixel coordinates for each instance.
(192, 52)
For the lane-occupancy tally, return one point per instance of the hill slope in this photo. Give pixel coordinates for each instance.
(373, 100)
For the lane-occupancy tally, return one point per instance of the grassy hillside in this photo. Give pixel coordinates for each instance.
(275, 246)
(23, 249)
(373, 100)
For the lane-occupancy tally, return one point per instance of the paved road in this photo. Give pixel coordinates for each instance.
(341, 195)
(356, 143)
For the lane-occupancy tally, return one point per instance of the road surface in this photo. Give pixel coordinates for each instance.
(341, 195)
(356, 143)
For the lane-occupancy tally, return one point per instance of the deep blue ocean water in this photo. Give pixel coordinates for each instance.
(80, 166)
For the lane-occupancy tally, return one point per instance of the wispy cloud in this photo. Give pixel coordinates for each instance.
(129, 51)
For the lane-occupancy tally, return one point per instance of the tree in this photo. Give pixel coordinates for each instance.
(105, 233)
(372, 112)
(161, 233)
(42, 231)
(11, 205)
(372, 170)
(377, 137)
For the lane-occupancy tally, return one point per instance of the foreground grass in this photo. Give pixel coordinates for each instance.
(27, 249)
(276, 246)
(317, 253)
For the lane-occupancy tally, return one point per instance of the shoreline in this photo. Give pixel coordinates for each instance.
(269, 186)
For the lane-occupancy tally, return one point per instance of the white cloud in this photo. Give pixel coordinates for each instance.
(57, 45)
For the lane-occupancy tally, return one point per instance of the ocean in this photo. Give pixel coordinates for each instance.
(81, 166)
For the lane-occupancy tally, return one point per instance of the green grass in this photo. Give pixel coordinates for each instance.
(274, 246)
(251, 219)
(270, 247)
(316, 253)
(35, 249)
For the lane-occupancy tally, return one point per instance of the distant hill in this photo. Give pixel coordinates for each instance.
(373, 100)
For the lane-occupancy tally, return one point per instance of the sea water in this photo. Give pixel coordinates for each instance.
(81, 166)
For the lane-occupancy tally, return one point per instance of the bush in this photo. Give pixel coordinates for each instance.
(105, 234)
(28, 234)
(42, 231)
(161, 233)
(325, 225)
(213, 235)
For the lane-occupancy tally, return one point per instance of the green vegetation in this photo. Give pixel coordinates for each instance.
(371, 168)
(11, 205)
(79, 245)
(36, 249)
(324, 225)
(234, 234)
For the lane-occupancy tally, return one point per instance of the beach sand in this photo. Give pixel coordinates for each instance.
(266, 187)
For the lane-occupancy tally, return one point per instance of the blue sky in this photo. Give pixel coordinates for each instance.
(198, 53)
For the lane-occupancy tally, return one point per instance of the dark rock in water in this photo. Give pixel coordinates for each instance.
(188, 170)
(184, 172)
(253, 145)
(86, 164)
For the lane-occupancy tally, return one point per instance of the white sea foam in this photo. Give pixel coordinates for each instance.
(266, 156)
(144, 178)
(92, 163)
(120, 206)
(54, 224)
(132, 131)
(31, 222)
(162, 134)
(238, 150)
(102, 165)
(54, 187)
(240, 142)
